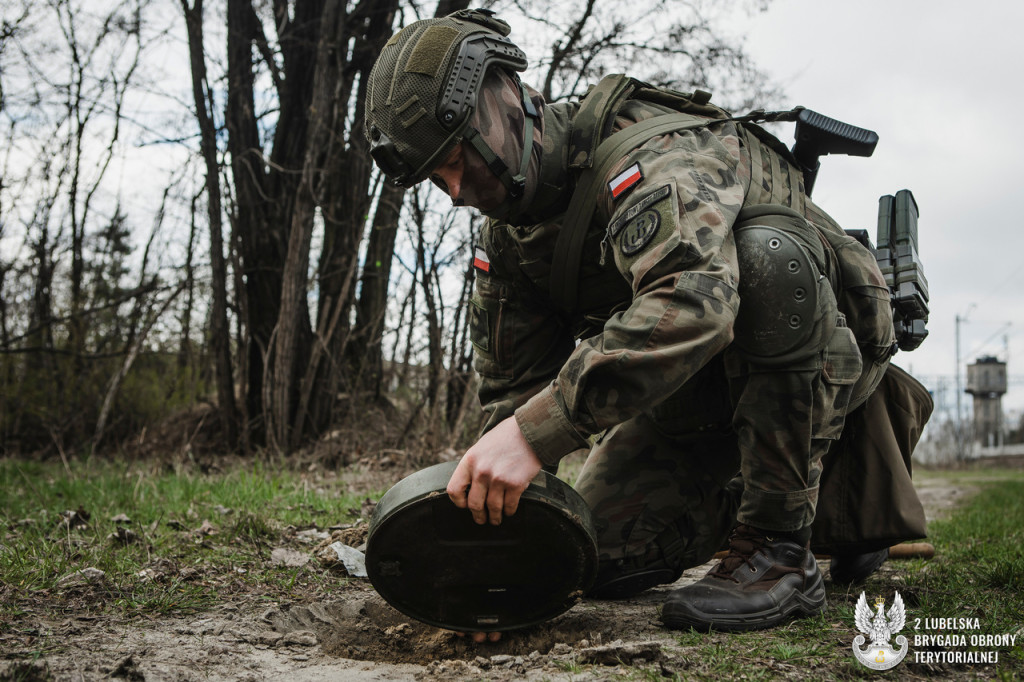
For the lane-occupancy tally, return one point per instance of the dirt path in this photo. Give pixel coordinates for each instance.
(354, 635)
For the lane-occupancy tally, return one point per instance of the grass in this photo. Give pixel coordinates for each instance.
(216, 530)
(978, 572)
(981, 574)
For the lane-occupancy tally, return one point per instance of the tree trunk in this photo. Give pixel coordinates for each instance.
(345, 198)
(261, 235)
(185, 355)
(220, 339)
(366, 356)
(293, 335)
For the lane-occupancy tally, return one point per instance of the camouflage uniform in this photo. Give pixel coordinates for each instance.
(648, 364)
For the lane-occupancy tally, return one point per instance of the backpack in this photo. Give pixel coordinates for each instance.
(592, 153)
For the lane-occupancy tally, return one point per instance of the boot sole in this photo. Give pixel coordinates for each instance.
(683, 616)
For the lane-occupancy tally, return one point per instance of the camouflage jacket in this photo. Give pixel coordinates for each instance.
(658, 284)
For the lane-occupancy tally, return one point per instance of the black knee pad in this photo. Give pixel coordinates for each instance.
(787, 308)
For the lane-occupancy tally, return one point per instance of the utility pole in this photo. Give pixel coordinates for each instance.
(960, 454)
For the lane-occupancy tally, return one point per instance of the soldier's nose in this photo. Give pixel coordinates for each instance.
(451, 180)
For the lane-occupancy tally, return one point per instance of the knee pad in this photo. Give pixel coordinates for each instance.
(787, 309)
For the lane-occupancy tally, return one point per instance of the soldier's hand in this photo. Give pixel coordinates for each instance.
(493, 473)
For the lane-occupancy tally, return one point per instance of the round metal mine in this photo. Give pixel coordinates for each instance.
(429, 560)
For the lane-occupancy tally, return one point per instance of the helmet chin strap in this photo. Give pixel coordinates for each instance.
(514, 184)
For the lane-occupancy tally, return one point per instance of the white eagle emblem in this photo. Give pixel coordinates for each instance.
(879, 627)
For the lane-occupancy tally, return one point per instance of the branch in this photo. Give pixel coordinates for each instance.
(268, 54)
(127, 296)
(560, 52)
(118, 379)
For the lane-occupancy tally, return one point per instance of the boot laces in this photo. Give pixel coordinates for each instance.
(744, 543)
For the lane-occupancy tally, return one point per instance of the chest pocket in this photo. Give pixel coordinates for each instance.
(491, 328)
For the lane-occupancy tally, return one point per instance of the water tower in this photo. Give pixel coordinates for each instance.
(986, 381)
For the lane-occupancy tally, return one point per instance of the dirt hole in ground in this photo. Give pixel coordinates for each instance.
(368, 629)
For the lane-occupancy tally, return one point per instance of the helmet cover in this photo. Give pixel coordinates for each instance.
(423, 89)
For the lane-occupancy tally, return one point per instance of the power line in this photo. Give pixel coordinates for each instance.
(979, 347)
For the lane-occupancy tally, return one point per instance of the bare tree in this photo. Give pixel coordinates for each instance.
(365, 357)
(66, 75)
(366, 351)
(101, 70)
(309, 168)
(682, 47)
(335, 178)
(220, 339)
(285, 161)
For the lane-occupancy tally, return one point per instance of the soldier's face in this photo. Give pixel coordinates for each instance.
(465, 177)
(448, 175)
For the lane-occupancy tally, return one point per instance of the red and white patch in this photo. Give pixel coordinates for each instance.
(625, 180)
(480, 260)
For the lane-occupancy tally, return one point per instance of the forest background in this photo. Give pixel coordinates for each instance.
(192, 233)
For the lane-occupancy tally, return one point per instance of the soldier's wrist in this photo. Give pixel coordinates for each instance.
(547, 428)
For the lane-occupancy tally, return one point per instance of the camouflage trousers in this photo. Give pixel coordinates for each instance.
(785, 419)
(654, 496)
(795, 369)
(673, 481)
(662, 480)
(665, 482)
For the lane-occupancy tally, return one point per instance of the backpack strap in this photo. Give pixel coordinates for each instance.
(594, 120)
(564, 284)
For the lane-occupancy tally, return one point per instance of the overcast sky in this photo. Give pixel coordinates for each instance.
(940, 83)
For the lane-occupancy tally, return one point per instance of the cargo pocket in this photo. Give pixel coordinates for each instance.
(841, 367)
(487, 319)
(700, 406)
(864, 299)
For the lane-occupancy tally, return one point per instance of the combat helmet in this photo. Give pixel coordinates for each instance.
(423, 90)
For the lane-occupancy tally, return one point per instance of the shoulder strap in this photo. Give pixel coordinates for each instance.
(594, 120)
(564, 285)
(697, 102)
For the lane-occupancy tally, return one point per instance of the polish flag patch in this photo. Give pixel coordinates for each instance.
(480, 260)
(625, 180)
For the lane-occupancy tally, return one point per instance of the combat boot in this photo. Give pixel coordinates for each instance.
(625, 578)
(762, 582)
(849, 569)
